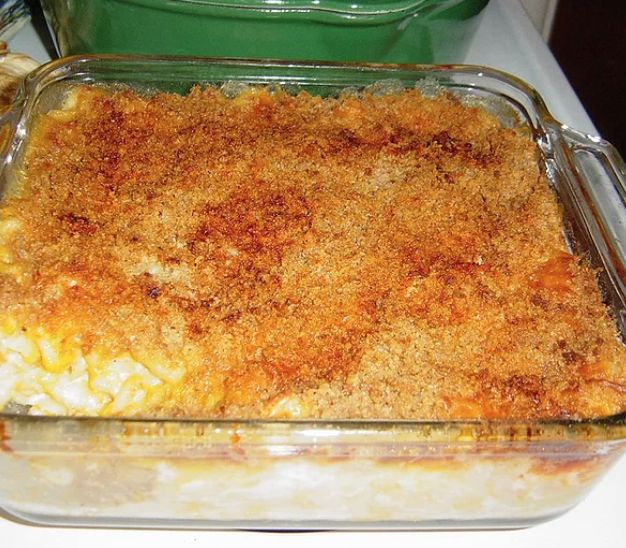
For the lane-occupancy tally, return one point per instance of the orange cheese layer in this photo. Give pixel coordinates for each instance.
(358, 257)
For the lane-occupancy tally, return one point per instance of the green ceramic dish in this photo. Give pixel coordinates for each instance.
(399, 31)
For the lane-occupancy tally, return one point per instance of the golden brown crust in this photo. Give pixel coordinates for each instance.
(383, 256)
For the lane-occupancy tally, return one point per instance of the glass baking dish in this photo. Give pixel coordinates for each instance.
(289, 474)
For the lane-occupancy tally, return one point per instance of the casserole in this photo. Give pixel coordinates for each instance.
(322, 474)
(399, 31)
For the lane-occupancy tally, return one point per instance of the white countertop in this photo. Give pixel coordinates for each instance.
(506, 40)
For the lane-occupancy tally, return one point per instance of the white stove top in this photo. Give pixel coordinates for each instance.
(508, 41)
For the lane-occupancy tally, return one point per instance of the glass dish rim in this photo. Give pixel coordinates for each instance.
(602, 429)
(28, 85)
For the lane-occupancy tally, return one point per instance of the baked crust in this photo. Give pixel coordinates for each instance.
(362, 257)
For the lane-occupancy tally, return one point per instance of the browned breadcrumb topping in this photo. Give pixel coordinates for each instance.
(364, 256)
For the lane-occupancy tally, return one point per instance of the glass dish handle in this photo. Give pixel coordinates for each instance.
(6, 126)
(14, 68)
(601, 172)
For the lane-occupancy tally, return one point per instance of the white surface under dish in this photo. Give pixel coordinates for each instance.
(508, 41)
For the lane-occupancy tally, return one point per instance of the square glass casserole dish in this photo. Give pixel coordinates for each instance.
(291, 474)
